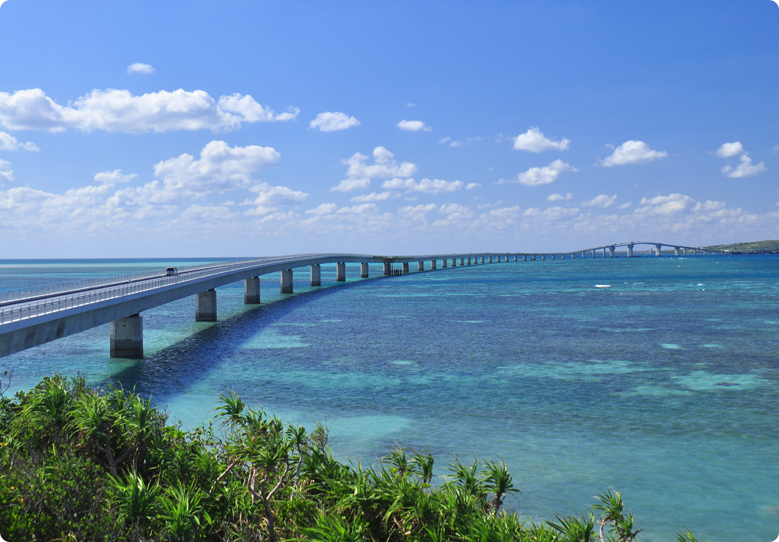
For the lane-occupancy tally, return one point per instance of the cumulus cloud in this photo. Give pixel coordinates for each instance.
(536, 176)
(745, 168)
(601, 201)
(559, 197)
(373, 196)
(333, 122)
(534, 141)
(665, 205)
(416, 209)
(270, 197)
(413, 126)
(219, 168)
(113, 177)
(119, 111)
(427, 186)
(464, 142)
(472, 186)
(10, 143)
(632, 152)
(140, 67)
(729, 150)
(6, 174)
(323, 209)
(359, 173)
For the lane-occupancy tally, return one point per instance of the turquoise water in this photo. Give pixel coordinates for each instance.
(663, 386)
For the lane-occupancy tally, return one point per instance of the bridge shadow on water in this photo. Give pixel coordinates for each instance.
(175, 369)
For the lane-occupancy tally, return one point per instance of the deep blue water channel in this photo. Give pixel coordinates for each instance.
(663, 386)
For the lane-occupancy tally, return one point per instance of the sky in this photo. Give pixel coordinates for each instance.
(251, 128)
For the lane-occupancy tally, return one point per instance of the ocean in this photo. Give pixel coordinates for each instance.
(663, 386)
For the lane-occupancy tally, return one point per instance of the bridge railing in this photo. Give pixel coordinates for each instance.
(32, 293)
(68, 301)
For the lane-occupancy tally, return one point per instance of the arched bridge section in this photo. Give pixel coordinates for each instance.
(32, 318)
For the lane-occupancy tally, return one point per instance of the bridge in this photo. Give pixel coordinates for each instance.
(34, 317)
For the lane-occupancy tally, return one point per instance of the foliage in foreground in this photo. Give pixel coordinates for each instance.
(78, 463)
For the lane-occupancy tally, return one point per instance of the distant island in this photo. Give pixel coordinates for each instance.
(751, 247)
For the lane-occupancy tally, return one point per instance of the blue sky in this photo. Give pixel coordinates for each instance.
(144, 129)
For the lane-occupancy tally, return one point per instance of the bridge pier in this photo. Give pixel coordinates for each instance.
(205, 306)
(443, 263)
(420, 265)
(405, 268)
(676, 251)
(611, 252)
(658, 250)
(630, 251)
(684, 251)
(251, 291)
(462, 262)
(432, 264)
(127, 337)
(316, 275)
(286, 281)
(387, 269)
(553, 256)
(340, 272)
(543, 256)
(454, 262)
(364, 270)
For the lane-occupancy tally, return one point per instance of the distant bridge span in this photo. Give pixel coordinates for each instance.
(34, 317)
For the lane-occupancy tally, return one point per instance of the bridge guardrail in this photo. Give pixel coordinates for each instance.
(13, 314)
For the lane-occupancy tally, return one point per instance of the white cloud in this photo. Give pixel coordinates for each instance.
(409, 104)
(268, 197)
(729, 150)
(140, 67)
(602, 201)
(413, 126)
(10, 143)
(332, 122)
(115, 176)
(359, 174)
(427, 186)
(665, 205)
(416, 209)
(453, 208)
(534, 141)
(744, 169)
(361, 209)
(624, 205)
(464, 142)
(775, 149)
(207, 213)
(6, 174)
(536, 176)
(323, 209)
(219, 168)
(471, 186)
(373, 196)
(445, 139)
(632, 152)
(119, 111)
(559, 197)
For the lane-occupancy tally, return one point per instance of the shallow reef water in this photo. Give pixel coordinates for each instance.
(663, 386)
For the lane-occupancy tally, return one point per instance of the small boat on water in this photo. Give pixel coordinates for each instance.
(603, 285)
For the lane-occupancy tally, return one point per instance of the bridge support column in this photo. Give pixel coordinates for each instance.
(593, 254)
(387, 269)
(443, 263)
(684, 251)
(462, 261)
(127, 337)
(604, 252)
(286, 281)
(630, 251)
(553, 256)
(251, 291)
(534, 257)
(205, 306)
(405, 268)
(420, 266)
(676, 251)
(543, 256)
(611, 252)
(432, 264)
(340, 272)
(364, 270)
(316, 275)
(524, 257)
(454, 262)
(694, 252)
(658, 249)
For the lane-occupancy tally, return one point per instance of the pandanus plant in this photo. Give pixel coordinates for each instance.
(613, 513)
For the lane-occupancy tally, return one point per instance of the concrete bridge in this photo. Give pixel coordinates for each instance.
(31, 318)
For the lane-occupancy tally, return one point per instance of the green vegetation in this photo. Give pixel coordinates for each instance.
(752, 246)
(78, 463)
